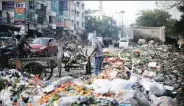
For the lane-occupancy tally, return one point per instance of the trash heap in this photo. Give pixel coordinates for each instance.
(141, 76)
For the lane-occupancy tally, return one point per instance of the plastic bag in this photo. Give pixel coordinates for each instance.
(78, 82)
(141, 99)
(93, 86)
(67, 101)
(162, 101)
(120, 84)
(102, 91)
(64, 80)
(126, 95)
(153, 87)
(131, 101)
(101, 82)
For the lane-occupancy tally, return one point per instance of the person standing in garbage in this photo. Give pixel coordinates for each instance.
(97, 52)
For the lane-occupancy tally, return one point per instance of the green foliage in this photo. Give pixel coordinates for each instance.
(104, 27)
(170, 27)
(157, 18)
(152, 18)
(180, 24)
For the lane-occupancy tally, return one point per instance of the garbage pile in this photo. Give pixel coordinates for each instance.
(141, 76)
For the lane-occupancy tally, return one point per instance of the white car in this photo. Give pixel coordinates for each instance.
(100, 39)
(123, 43)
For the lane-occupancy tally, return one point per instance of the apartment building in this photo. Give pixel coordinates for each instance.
(43, 15)
(76, 16)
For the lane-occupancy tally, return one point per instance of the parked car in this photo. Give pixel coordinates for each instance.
(44, 46)
(123, 43)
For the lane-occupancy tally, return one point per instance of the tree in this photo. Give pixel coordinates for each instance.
(168, 5)
(171, 28)
(155, 18)
(104, 27)
(180, 24)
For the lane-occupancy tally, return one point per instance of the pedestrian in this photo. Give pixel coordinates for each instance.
(97, 52)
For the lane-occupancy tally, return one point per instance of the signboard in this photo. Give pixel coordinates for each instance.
(7, 5)
(19, 10)
(20, 5)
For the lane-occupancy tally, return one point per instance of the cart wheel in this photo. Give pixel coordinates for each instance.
(37, 68)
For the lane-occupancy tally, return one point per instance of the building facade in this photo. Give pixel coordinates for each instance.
(43, 16)
(76, 16)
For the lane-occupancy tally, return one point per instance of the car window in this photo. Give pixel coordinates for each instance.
(123, 41)
(41, 41)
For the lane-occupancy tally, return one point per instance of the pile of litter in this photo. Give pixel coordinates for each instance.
(141, 76)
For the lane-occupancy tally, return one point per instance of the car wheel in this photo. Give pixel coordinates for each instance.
(46, 53)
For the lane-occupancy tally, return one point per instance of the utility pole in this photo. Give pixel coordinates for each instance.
(122, 23)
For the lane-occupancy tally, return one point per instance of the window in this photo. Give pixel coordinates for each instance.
(31, 16)
(82, 6)
(42, 7)
(61, 7)
(77, 23)
(77, 13)
(82, 24)
(72, 22)
(78, 4)
(74, 26)
(51, 19)
(74, 5)
(31, 5)
(40, 19)
(82, 15)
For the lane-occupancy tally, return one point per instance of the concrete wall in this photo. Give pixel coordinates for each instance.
(149, 32)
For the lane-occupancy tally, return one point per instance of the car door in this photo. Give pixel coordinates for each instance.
(55, 46)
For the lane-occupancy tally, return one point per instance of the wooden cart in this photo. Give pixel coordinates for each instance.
(43, 66)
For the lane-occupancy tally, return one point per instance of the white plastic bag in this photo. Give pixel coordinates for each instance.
(101, 82)
(64, 80)
(93, 86)
(78, 82)
(120, 84)
(153, 87)
(102, 91)
(67, 101)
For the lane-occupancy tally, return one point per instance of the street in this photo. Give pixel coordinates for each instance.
(76, 73)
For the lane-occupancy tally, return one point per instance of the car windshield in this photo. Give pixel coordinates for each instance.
(123, 41)
(41, 41)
